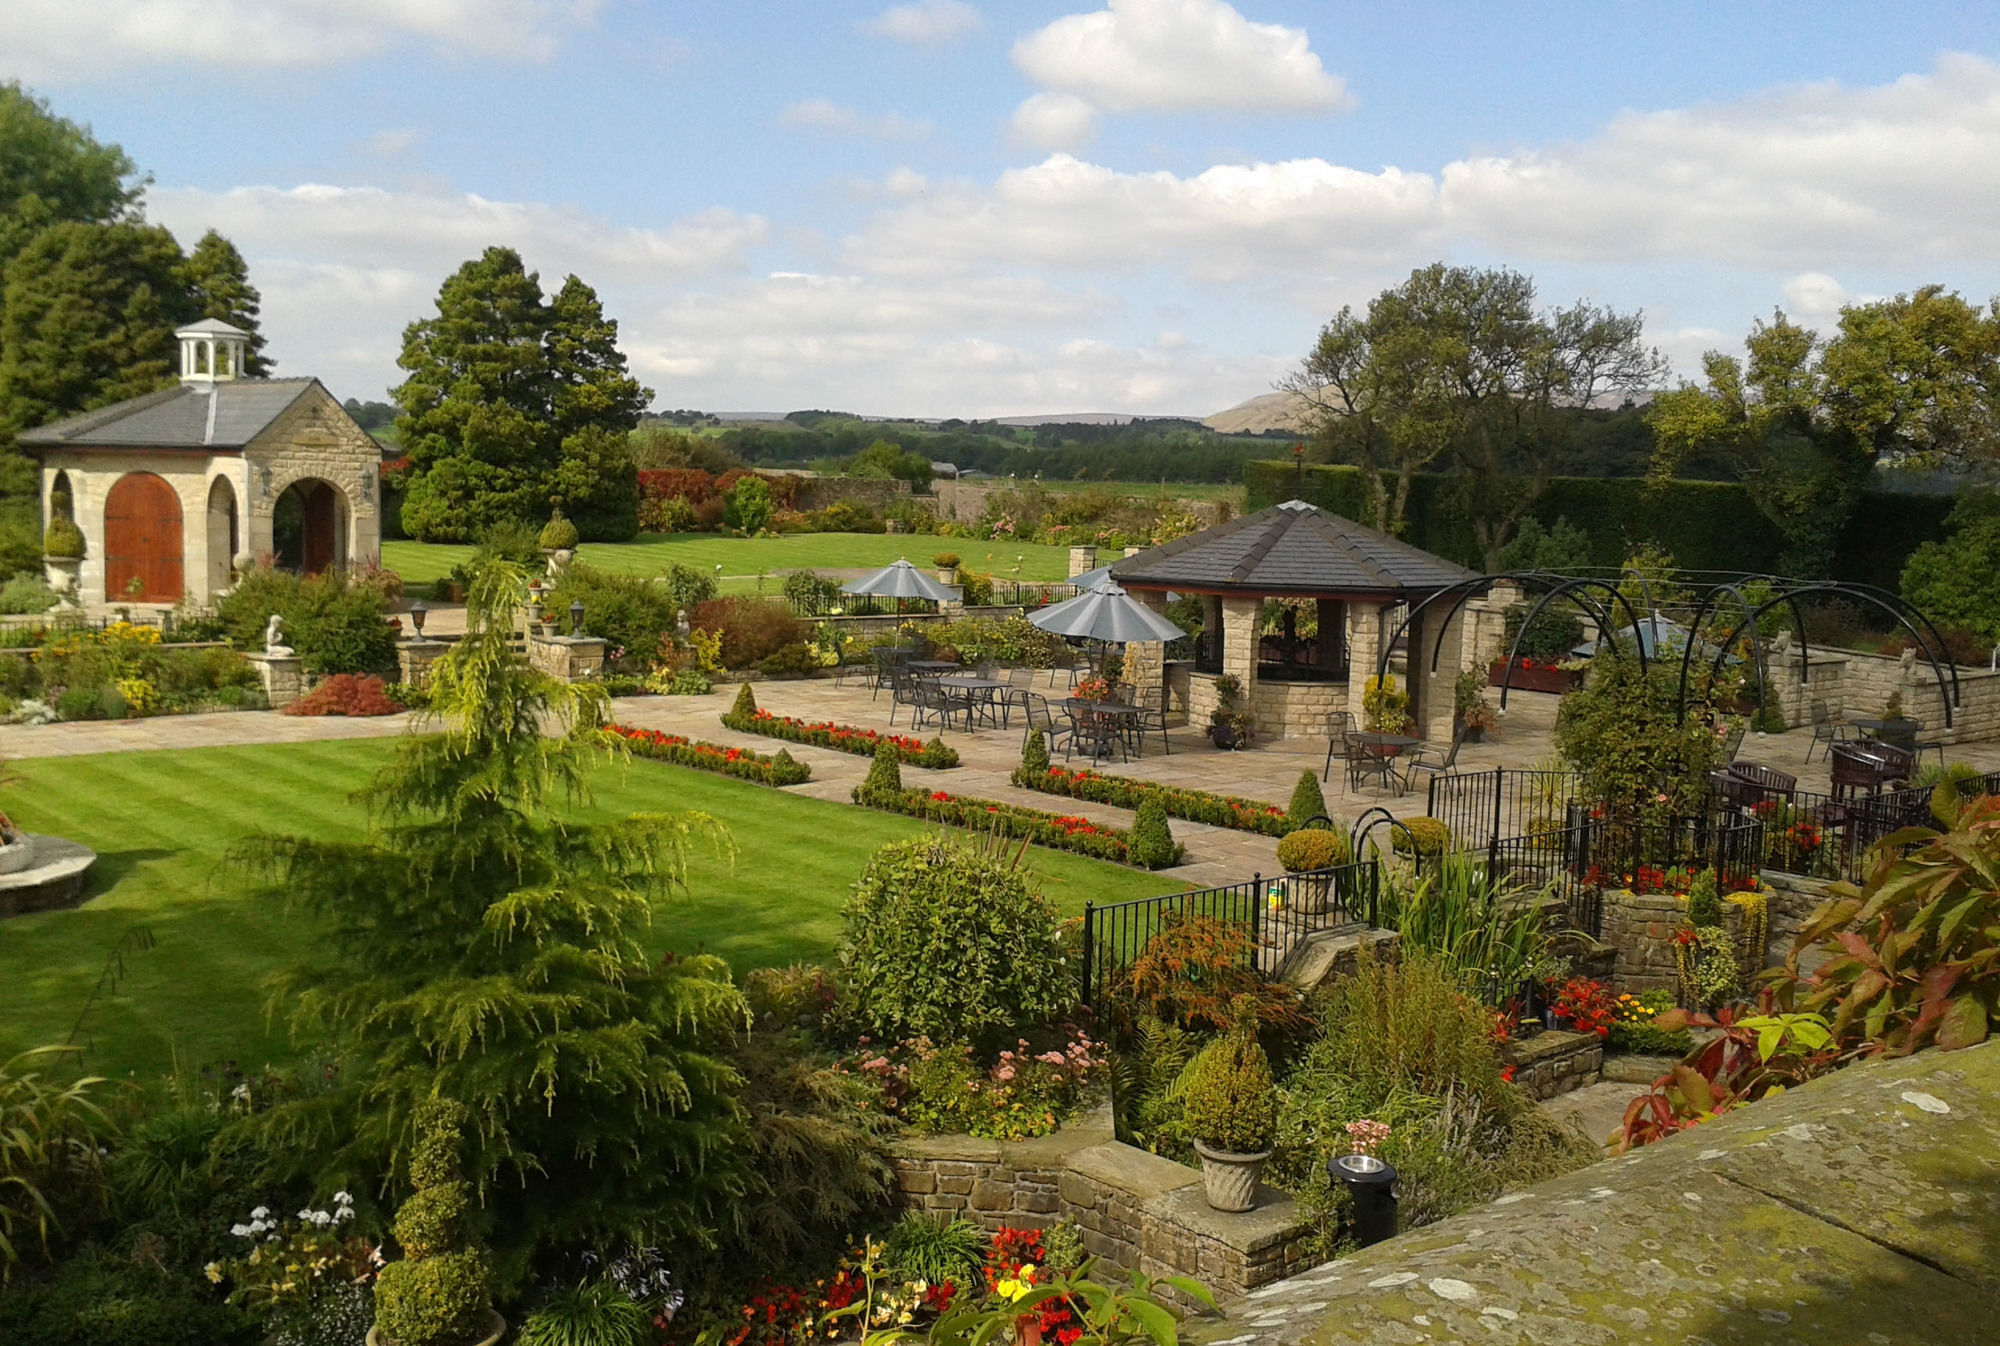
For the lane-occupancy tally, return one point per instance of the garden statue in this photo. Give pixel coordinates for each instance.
(1781, 644)
(274, 638)
(1909, 662)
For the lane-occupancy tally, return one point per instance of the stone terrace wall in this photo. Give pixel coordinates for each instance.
(1554, 1062)
(1137, 1211)
(1641, 926)
(820, 492)
(1858, 1208)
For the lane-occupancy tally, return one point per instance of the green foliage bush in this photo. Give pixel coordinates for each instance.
(1956, 582)
(745, 704)
(885, 773)
(811, 591)
(1035, 755)
(26, 594)
(1307, 801)
(928, 1247)
(1231, 1102)
(1407, 1025)
(796, 660)
(1556, 631)
(1312, 848)
(747, 505)
(1152, 845)
(689, 586)
(437, 1294)
(1624, 733)
(752, 629)
(336, 626)
(632, 613)
(950, 940)
(1704, 900)
(593, 1313)
(62, 539)
(558, 533)
(1426, 837)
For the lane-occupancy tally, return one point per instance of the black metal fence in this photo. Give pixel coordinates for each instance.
(1276, 913)
(1501, 802)
(1823, 837)
(829, 602)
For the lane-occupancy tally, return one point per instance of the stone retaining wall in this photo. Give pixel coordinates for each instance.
(1641, 927)
(1137, 1211)
(1556, 1062)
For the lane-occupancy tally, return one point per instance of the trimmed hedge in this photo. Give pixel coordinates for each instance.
(777, 769)
(1706, 525)
(1055, 831)
(1196, 806)
(843, 738)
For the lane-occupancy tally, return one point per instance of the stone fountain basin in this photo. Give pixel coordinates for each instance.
(42, 873)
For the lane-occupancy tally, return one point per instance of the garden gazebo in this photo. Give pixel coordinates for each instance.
(1355, 576)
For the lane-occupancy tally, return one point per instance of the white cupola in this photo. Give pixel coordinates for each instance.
(212, 351)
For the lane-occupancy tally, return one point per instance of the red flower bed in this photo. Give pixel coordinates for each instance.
(345, 694)
(843, 737)
(1197, 806)
(779, 769)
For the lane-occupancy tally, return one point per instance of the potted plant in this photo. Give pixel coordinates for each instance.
(1385, 707)
(1312, 850)
(1092, 688)
(62, 555)
(1231, 1107)
(437, 1295)
(1229, 725)
(558, 541)
(1470, 711)
(947, 567)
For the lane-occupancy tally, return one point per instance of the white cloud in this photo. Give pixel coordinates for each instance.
(1054, 121)
(58, 40)
(1173, 55)
(825, 115)
(927, 22)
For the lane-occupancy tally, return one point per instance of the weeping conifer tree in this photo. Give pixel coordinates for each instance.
(480, 948)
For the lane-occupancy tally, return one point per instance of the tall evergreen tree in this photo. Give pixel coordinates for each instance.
(481, 950)
(52, 170)
(89, 319)
(218, 284)
(513, 402)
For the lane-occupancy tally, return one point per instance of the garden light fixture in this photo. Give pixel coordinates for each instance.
(417, 614)
(576, 617)
(1371, 1185)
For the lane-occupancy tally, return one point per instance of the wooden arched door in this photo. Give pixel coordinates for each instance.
(142, 541)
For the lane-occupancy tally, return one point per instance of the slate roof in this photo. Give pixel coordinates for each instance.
(225, 415)
(1290, 549)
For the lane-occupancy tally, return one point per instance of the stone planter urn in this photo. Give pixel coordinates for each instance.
(947, 574)
(62, 573)
(1230, 1180)
(1311, 893)
(17, 855)
(496, 1329)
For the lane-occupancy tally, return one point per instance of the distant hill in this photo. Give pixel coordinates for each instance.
(1283, 412)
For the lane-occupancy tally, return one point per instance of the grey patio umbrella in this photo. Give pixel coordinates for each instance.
(899, 580)
(1091, 579)
(1106, 613)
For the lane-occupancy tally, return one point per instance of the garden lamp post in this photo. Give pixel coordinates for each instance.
(1371, 1185)
(576, 617)
(417, 614)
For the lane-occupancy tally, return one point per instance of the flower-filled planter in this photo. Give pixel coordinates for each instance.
(1532, 675)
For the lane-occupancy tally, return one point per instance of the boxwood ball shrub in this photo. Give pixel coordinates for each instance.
(63, 540)
(558, 533)
(950, 940)
(1427, 837)
(1312, 848)
(1231, 1103)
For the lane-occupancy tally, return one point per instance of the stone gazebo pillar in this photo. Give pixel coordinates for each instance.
(1241, 618)
(1363, 652)
(1432, 694)
(1146, 660)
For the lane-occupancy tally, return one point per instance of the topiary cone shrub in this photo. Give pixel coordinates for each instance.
(1307, 801)
(63, 540)
(558, 534)
(437, 1295)
(885, 775)
(1231, 1103)
(1035, 755)
(1704, 905)
(745, 704)
(1153, 845)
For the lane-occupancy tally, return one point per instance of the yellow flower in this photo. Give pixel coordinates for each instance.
(1018, 1285)
(214, 1273)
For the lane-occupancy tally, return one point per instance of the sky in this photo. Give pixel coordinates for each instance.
(949, 208)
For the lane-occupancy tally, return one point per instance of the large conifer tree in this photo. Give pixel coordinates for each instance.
(217, 280)
(515, 403)
(480, 949)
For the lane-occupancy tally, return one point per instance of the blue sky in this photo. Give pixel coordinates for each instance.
(949, 208)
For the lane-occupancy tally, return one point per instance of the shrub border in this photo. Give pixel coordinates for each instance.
(862, 743)
(1038, 827)
(778, 769)
(1195, 806)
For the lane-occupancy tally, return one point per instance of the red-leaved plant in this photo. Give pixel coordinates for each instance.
(1750, 1056)
(345, 694)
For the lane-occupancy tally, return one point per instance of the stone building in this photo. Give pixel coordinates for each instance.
(175, 489)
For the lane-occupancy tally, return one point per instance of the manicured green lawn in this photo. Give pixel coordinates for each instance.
(161, 823)
(742, 557)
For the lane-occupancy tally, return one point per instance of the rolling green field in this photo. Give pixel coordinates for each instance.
(742, 557)
(162, 823)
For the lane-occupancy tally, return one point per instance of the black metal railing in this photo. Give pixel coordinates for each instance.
(1026, 595)
(1829, 837)
(1275, 912)
(1479, 806)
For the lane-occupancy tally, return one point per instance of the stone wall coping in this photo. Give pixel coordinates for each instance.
(1548, 1043)
(965, 1149)
(1130, 1169)
(1273, 1221)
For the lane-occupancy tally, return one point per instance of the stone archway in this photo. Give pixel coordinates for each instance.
(309, 526)
(224, 533)
(142, 541)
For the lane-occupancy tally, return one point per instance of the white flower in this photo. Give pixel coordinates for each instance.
(242, 1231)
(321, 1218)
(342, 1199)
(262, 1212)
(259, 1226)
(344, 1213)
